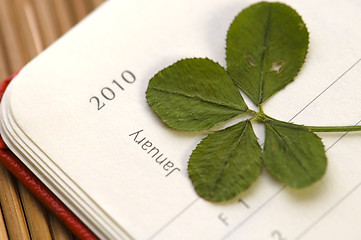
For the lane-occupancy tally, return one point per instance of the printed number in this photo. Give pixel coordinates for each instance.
(277, 235)
(100, 105)
(108, 94)
(126, 75)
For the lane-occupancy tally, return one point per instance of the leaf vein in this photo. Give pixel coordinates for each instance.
(263, 57)
(291, 152)
(199, 98)
(227, 162)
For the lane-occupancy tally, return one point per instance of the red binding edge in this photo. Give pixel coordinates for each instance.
(35, 186)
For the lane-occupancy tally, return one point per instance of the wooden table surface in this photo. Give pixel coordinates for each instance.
(26, 28)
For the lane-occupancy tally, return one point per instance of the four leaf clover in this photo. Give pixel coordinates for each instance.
(265, 49)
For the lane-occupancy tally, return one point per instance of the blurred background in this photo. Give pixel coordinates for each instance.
(26, 28)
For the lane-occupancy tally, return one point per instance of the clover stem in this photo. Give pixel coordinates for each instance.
(265, 118)
(335, 128)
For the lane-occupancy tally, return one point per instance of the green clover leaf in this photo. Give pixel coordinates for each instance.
(194, 94)
(266, 48)
(226, 162)
(291, 150)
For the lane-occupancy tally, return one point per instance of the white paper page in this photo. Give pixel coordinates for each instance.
(48, 173)
(98, 150)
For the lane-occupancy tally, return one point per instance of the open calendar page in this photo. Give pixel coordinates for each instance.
(78, 118)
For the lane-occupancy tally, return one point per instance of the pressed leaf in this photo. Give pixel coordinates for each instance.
(194, 94)
(293, 154)
(225, 162)
(266, 47)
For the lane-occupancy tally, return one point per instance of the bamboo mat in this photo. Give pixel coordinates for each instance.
(26, 28)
